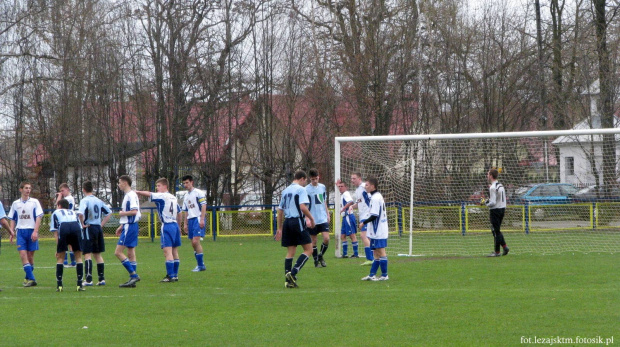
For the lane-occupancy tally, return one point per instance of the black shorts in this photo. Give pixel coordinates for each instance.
(69, 234)
(319, 228)
(92, 240)
(294, 233)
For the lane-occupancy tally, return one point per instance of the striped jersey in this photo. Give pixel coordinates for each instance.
(130, 202)
(25, 213)
(378, 228)
(167, 206)
(93, 209)
(193, 202)
(346, 198)
(71, 201)
(362, 198)
(292, 198)
(62, 216)
(317, 196)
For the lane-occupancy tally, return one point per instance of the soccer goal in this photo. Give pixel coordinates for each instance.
(562, 189)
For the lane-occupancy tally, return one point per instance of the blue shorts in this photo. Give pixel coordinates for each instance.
(349, 225)
(378, 243)
(193, 228)
(170, 235)
(365, 225)
(129, 236)
(24, 240)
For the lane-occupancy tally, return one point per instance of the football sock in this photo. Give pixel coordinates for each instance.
(368, 253)
(135, 266)
(66, 255)
(200, 260)
(175, 272)
(374, 267)
(88, 270)
(169, 267)
(301, 261)
(79, 268)
(383, 261)
(28, 271)
(323, 248)
(288, 265)
(315, 254)
(72, 256)
(59, 270)
(355, 247)
(100, 271)
(128, 266)
(345, 247)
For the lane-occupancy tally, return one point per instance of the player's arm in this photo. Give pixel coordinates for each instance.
(203, 214)
(143, 193)
(280, 221)
(304, 209)
(7, 225)
(105, 219)
(81, 219)
(492, 198)
(346, 207)
(329, 217)
(368, 220)
(37, 224)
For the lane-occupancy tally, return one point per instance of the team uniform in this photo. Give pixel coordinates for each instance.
(497, 208)
(294, 232)
(317, 196)
(363, 201)
(129, 236)
(192, 205)
(65, 223)
(93, 210)
(378, 234)
(70, 254)
(349, 225)
(168, 208)
(71, 201)
(25, 214)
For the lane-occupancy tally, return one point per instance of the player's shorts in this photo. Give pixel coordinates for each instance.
(365, 225)
(294, 233)
(70, 234)
(129, 235)
(193, 228)
(378, 243)
(349, 225)
(24, 241)
(319, 228)
(170, 235)
(92, 239)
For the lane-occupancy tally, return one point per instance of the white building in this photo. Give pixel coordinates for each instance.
(580, 154)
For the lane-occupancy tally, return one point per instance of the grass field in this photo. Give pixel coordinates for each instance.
(240, 300)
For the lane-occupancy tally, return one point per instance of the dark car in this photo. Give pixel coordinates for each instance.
(544, 194)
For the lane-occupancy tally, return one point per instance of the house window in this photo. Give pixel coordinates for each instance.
(570, 166)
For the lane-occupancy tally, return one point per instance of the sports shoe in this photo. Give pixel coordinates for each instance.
(382, 278)
(127, 285)
(80, 289)
(30, 283)
(134, 280)
(322, 263)
(317, 264)
(87, 284)
(369, 278)
(506, 250)
(366, 263)
(344, 256)
(101, 283)
(291, 278)
(174, 279)
(288, 284)
(199, 268)
(493, 254)
(69, 265)
(25, 281)
(59, 289)
(355, 256)
(166, 279)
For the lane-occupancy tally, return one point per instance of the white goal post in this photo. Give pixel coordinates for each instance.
(562, 188)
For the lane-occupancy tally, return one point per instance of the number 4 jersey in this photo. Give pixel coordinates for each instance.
(167, 206)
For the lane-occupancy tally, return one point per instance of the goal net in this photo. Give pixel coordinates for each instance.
(562, 190)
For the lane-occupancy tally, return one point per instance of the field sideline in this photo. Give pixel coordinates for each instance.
(240, 300)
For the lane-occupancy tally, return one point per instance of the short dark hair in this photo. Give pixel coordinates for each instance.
(126, 178)
(163, 181)
(373, 180)
(63, 203)
(63, 185)
(87, 186)
(358, 174)
(187, 178)
(300, 174)
(23, 184)
(494, 173)
(313, 173)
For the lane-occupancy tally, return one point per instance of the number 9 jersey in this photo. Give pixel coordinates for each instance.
(93, 209)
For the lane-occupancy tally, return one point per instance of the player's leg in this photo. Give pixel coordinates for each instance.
(100, 268)
(306, 243)
(119, 252)
(500, 235)
(355, 244)
(79, 268)
(492, 219)
(383, 260)
(315, 252)
(70, 255)
(198, 254)
(24, 245)
(167, 250)
(177, 263)
(324, 246)
(60, 256)
(367, 251)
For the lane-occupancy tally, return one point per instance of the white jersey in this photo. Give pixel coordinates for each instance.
(378, 228)
(25, 213)
(130, 202)
(167, 206)
(497, 196)
(71, 201)
(193, 202)
(362, 199)
(346, 198)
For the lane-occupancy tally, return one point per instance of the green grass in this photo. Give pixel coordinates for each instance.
(240, 300)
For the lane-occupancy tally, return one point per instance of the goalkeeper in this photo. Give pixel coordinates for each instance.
(497, 208)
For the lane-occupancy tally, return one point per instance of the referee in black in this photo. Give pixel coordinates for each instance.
(497, 208)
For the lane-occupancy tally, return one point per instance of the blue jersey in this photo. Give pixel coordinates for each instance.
(62, 216)
(292, 198)
(93, 209)
(167, 206)
(317, 196)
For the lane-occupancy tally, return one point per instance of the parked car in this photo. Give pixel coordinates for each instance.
(544, 194)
